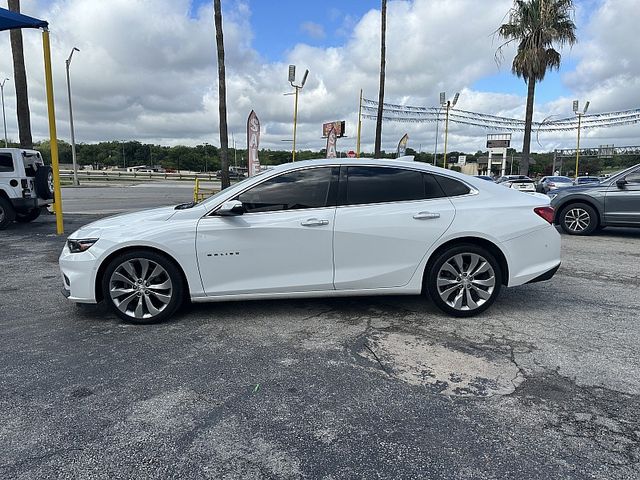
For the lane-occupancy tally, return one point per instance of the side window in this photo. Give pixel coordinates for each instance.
(633, 177)
(383, 184)
(6, 162)
(309, 188)
(451, 187)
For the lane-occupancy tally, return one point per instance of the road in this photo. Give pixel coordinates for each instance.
(104, 199)
(543, 385)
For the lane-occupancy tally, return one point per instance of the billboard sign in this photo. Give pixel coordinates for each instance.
(337, 126)
(462, 160)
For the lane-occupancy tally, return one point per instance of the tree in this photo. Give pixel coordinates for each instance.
(20, 79)
(222, 97)
(383, 50)
(536, 25)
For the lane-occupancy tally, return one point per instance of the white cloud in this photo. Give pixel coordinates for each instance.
(147, 70)
(314, 30)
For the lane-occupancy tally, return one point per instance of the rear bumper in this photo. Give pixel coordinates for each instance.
(24, 205)
(532, 256)
(546, 275)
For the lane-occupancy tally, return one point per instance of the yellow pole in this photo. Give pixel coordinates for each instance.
(446, 132)
(578, 146)
(196, 190)
(359, 126)
(57, 194)
(295, 124)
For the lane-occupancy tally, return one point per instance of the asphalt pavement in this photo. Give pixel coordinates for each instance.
(545, 384)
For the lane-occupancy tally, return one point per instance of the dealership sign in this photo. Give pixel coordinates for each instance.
(253, 141)
(331, 143)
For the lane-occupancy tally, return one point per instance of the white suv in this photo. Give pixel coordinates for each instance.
(26, 185)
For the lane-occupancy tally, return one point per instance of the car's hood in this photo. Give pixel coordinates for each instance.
(579, 188)
(127, 221)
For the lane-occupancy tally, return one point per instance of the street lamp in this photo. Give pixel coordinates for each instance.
(73, 138)
(579, 114)
(4, 117)
(448, 105)
(292, 78)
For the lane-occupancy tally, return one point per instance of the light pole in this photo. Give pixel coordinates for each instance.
(4, 117)
(292, 78)
(73, 137)
(448, 105)
(579, 114)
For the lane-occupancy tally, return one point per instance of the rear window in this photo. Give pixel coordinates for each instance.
(6, 162)
(451, 187)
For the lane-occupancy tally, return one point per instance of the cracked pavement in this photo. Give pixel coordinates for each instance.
(545, 384)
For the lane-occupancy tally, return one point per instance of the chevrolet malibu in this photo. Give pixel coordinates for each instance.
(321, 228)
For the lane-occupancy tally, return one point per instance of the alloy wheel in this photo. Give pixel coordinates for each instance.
(577, 219)
(140, 288)
(466, 281)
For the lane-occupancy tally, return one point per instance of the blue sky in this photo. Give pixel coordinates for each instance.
(278, 26)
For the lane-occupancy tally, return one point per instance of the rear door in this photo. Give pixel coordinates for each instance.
(622, 205)
(386, 220)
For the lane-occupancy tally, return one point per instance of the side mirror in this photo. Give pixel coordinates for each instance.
(621, 183)
(230, 209)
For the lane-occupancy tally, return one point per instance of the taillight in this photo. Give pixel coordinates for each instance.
(545, 212)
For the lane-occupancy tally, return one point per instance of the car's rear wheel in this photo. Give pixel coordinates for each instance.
(578, 219)
(30, 216)
(142, 287)
(464, 280)
(7, 213)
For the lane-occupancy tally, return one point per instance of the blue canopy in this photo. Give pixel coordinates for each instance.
(10, 20)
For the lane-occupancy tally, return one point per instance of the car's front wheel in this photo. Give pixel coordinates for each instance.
(142, 287)
(464, 280)
(578, 219)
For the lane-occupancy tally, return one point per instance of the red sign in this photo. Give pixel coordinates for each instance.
(351, 154)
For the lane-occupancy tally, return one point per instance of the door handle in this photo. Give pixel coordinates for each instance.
(314, 222)
(426, 215)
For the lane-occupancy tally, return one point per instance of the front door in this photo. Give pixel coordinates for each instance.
(622, 203)
(281, 243)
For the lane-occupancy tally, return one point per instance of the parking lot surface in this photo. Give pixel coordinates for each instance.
(545, 384)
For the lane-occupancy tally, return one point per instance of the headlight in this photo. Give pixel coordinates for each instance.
(80, 245)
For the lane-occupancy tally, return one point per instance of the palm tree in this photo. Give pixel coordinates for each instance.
(383, 49)
(222, 96)
(536, 25)
(20, 79)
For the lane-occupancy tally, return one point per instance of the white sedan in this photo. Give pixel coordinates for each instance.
(317, 229)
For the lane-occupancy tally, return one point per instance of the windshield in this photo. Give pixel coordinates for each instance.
(213, 197)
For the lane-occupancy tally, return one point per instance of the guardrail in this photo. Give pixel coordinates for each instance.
(108, 175)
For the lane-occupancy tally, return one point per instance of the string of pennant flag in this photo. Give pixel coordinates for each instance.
(415, 114)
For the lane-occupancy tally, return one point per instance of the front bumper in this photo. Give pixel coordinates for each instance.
(78, 275)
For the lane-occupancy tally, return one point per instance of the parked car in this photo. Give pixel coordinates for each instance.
(615, 201)
(521, 184)
(506, 178)
(586, 180)
(26, 185)
(484, 177)
(552, 183)
(323, 228)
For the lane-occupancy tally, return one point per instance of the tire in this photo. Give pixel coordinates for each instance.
(7, 213)
(463, 280)
(44, 182)
(30, 216)
(578, 219)
(129, 292)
